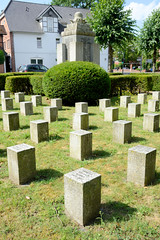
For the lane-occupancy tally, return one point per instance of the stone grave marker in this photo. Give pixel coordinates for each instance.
(151, 122)
(124, 100)
(56, 102)
(82, 195)
(122, 131)
(80, 121)
(104, 103)
(36, 100)
(153, 105)
(19, 97)
(142, 98)
(50, 114)
(7, 104)
(111, 114)
(80, 144)
(10, 121)
(21, 163)
(134, 110)
(39, 131)
(141, 165)
(26, 108)
(81, 107)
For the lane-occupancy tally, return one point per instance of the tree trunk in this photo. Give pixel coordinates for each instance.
(110, 59)
(154, 59)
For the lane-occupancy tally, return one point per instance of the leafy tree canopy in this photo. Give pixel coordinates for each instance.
(149, 37)
(73, 3)
(112, 25)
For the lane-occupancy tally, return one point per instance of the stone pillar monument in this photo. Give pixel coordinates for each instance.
(78, 42)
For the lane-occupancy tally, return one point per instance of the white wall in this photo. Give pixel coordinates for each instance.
(25, 47)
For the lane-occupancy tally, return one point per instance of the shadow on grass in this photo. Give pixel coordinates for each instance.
(16, 109)
(137, 139)
(47, 174)
(100, 154)
(62, 119)
(0, 119)
(25, 127)
(55, 137)
(115, 211)
(93, 127)
(36, 113)
(92, 114)
(3, 152)
(157, 178)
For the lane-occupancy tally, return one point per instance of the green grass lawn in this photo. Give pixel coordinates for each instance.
(36, 210)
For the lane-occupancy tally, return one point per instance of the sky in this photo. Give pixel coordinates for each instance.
(141, 9)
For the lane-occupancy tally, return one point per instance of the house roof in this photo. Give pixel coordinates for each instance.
(21, 16)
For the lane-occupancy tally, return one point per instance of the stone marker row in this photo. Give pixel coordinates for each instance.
(82, 187)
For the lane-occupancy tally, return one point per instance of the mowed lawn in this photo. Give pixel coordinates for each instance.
(36, 210)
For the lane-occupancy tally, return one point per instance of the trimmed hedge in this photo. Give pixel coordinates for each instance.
(18, 84)
(36, 82)
(134, 83)
(4, 75)
(76, 82)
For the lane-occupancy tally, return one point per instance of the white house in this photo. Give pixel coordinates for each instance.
(33, 32)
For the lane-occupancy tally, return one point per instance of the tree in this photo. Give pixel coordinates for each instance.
(149, 37)
(112, 25)
(1, 56)
(73, 3)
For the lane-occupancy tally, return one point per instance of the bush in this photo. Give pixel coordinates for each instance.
(18, 84)
(3, 79)
(1, 56)
(36, 82)
(76, 82)
(134, 83)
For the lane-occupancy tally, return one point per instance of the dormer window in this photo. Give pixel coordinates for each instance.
(50, 24)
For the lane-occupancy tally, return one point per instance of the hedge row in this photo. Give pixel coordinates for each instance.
(3, 76)
(134, 83)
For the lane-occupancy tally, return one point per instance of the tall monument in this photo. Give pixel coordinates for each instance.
(78, 42)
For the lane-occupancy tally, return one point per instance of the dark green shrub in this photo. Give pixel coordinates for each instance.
(18, 84)
(76, 81)
(36, 82)
(1, 56)
(3, 79)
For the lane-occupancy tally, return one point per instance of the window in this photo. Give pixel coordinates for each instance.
(39, 42)
(33, 61)
(36, 61)
(50, 24)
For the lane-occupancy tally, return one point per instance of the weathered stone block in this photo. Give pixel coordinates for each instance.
(142, 98)
(61, 53)
(26, 108)
(124, 100)
(80, 144)
(37, 100)
(141, 165)
(80, 121)
(19, 97)
(39, 131)
(111, 114)
(153, 105)
(50, 114)
(104, 103)
(134, 110)
(10, 121)
(122, 131)
(82, 195)
(151, 122)
(56, 102)
(156, 95)
(5, 94)
(7, 104)
(81, 107)
(21, 163)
